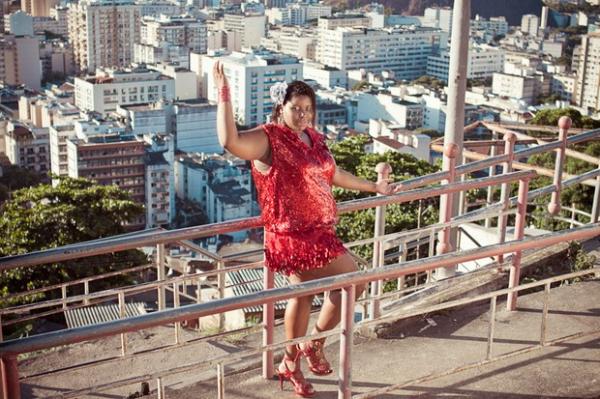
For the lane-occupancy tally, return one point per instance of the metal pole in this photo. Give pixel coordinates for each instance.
(268, 324)
(160, 389)
(121, 296)
(383, 172)
(492, 172)
(564, 123)
(455, 120)
(345, 372)
(402, 279)
(86, 291)
(160, 274)
(492, 327)
(509, 149)
(11, 388)
(515, 268)
(596, 204)
(220, 381)
(176, 305)
(221, 288)
(63, 291)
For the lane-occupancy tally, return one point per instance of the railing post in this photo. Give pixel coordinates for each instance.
(198, 296)
(220, 381)
(596, 204)
(175, 306)
(86, 292)
(446, 203)
(121, 296)
(221, 289)
(564, 124)
(160, 274)
(491, 172)
(63, 291)
(402, 279)
(11, 388)
(509, 149)
(268, 324)
(346, 336)
(515, 268)
(383, 172)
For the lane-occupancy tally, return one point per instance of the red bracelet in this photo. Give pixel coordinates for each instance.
(224, 94)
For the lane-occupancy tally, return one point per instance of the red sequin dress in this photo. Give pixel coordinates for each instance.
(298, 208)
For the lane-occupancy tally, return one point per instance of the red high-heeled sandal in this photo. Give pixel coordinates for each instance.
(315, 357)
(302, 387)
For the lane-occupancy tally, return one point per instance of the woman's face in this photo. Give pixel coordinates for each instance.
(298, 113)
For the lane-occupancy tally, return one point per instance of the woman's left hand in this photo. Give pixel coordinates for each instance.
(383, 187)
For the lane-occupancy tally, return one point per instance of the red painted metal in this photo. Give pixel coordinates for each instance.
(515, 268)
(347, 324)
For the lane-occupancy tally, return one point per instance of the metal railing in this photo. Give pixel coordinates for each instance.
(381, 242)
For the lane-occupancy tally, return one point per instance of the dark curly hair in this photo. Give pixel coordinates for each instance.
(296, 88)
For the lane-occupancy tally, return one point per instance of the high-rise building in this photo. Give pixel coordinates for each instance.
(530, 24)
(20, 61)
(103, 32)
(402, 50)
(482, 62)
(184, 31)
(587, 88)
(438, 17)
(251, 76)
(27, 146)
(252, 28)
(38, 8)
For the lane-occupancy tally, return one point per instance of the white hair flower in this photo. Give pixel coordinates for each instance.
(278, 91)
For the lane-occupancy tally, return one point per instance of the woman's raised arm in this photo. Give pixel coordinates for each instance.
(250, 144)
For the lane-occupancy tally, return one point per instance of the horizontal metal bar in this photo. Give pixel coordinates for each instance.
(482, 164)
(527, 152)
(163, 317)
(420, 181)
(120, 244)
(79, 281)
(589, 135)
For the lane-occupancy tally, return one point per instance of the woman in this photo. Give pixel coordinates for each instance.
(294, 171)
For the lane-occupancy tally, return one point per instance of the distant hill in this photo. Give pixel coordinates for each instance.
(513, 10)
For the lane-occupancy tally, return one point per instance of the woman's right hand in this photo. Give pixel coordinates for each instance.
(219, 75)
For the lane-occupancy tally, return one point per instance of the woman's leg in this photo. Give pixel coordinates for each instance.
(297, 314)
(330, 314)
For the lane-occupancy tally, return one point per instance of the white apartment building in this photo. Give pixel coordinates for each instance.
(111, 87)
(156, 8)
(402, 50)
(186, 86)
(438, 17)
(388, 137)
(298, 13)
(160, 180)
(58, 136)
(251, 76)
(564, 86)
(488, 28)
(298, 41)
(165, 53)
(402, 114)
(103, 32)
(343, 21)
(222, 186)
(193, 124)
(587, 89)
(251, 28)
(530, 24)
(57, 22)
(482, 62)
(28, 147)
(184, 31)
(325, 76)
(514, 86)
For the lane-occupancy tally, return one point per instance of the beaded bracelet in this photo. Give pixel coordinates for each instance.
(224, 94)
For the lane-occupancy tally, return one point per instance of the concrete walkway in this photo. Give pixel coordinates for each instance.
(455, 338)
(432, 344)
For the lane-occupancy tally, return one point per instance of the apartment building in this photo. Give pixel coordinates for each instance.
(587, 88)
(111, 87)
(94, 45)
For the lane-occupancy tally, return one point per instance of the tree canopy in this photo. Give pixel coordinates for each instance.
(350, 155)
(75, 210)
(550, 117)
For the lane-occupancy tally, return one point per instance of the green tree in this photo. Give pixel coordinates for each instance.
(350, 155)
(76, 210)
(14, 177)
